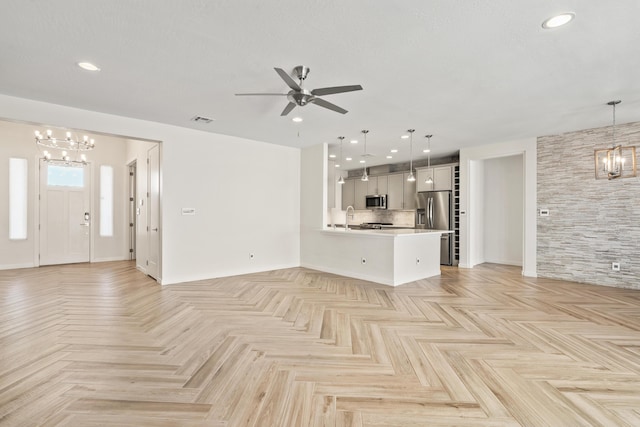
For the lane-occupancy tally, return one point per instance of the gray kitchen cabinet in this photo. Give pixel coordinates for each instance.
(377, 184)
(395, 191)
(348, 193)
(361, 188)
(409, 193)
(442, 178)
(421, 176)
(372, 185)
(383, 184)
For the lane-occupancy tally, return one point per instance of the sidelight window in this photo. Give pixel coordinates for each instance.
(17, 199)
(106, 201)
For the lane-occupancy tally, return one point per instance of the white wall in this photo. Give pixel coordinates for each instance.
(17, 140)
(313, 201)
(503, 210)
(471, 200)
(246, 193)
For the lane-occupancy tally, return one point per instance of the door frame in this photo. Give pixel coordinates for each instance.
(158, 276)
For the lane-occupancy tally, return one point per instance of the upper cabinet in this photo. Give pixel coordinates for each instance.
(395, 191)
(401, 193)
(409, 195)
(362, 188)
(377, 185)
(348, 193)
(442, 178)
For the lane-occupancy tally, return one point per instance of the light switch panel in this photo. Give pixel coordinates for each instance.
(188, 211)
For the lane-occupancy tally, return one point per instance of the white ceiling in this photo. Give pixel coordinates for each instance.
(468, 72)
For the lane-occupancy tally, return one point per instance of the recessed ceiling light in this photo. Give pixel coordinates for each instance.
(354, 141)
(297, 119)
(558, 20)
(348, 159)
(405, 137)
(361, 161)
(337, 165)
(426, 150)
(332, 156)
(394, 151)
(88, 66)
(389, 157)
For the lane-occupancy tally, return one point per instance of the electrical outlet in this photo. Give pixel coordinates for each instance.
(363, 260)
(417, 261)
(615, 266)
(251, 256)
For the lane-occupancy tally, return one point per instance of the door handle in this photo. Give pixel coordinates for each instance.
(85, 224)
(154, 229)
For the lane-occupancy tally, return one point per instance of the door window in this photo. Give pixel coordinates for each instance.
(65, 176)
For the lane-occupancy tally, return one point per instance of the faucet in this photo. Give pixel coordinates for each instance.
(346, 217)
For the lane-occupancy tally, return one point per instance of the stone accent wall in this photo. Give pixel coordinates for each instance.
(592, 223)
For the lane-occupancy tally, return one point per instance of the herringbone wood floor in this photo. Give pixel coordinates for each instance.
(102, 344)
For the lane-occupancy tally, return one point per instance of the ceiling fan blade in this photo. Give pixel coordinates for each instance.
(261, 94)
(290, 106)
(322, 103)
(287, 79)
(335, 89)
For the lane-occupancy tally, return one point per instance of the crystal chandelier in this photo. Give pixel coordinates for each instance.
(64, 148)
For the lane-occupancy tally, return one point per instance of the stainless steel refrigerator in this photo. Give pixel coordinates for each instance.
(435, 211)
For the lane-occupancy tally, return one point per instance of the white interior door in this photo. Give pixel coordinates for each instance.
(153, 210)
(65, 216)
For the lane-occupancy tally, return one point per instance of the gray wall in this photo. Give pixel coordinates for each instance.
(592, 223)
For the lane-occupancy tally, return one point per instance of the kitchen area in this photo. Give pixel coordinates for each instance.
(390, 229)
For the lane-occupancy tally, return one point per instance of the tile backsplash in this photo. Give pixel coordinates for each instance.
(402, 218)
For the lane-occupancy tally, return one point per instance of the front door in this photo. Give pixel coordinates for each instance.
(65, 214)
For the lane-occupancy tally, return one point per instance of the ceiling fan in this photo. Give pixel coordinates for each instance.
(299, 96)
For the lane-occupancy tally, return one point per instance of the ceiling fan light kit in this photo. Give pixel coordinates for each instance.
(298, 96)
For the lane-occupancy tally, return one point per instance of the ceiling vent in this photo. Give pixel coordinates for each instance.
(201, 119)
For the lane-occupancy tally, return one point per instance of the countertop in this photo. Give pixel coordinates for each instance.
(388, 232)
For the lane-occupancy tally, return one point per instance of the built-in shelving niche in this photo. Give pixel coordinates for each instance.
(456, 214)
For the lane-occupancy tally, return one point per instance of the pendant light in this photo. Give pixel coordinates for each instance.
(429, 179)
(365, 177)
(341, 179)
(615, 162)
(411, 176)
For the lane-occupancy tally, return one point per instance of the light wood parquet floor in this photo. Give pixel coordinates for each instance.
(102, 344)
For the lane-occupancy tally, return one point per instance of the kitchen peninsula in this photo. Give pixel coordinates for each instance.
(389, 256)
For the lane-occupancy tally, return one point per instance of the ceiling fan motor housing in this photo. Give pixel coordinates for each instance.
(301, 98)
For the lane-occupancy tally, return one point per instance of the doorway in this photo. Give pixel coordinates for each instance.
(65, 214)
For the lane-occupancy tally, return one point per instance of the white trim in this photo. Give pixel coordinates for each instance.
(113, 258)
(16, 266)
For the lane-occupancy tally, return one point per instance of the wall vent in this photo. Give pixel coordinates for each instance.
(201, 119)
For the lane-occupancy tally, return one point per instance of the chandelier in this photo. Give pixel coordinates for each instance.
(68, 151)
(617, 161)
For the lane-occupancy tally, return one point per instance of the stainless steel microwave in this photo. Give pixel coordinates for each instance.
(376, 201)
